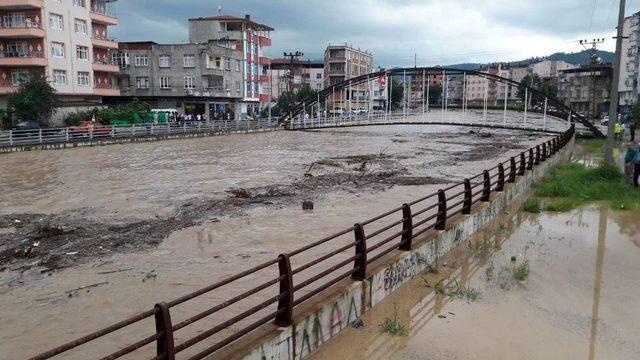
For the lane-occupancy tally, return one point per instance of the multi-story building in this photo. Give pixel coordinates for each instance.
(419, 84)
(479, 87)
(67, 41)
(250, 38)
(579, 87)
(341, 63)
(204, 79)
(550, 69)
(304, 73)
(630, 61)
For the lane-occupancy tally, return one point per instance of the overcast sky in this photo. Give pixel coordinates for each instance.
(438, 31)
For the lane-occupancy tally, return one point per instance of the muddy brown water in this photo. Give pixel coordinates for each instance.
(578, 302)
(123, 184)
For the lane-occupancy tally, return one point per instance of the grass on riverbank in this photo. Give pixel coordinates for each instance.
(571, 185)
(593, 146)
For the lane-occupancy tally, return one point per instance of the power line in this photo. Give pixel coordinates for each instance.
(593, 11)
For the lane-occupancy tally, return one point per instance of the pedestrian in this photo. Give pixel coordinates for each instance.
(636, 167)
(629, 164)
(617, 130)
(632, 130)
(199, 117)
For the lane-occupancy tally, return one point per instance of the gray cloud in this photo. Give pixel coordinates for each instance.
(437, 31)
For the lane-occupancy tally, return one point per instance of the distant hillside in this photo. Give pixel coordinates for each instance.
(579, 58)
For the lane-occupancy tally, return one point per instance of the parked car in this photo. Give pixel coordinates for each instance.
(86, 128)
(30, 128)
(605, 120)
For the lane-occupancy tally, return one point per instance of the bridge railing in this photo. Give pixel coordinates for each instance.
(292, 280)
(100, 132)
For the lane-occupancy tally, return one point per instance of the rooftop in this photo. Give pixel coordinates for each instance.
(250, 24)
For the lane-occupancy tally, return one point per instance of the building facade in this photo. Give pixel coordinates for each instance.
(205, 79)
(304, 73)
(67, 41)
(630, 61)
(577, 87)
(341, 63)
(550, 69)
(252, 40)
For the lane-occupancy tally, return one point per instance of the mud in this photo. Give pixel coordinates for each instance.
(54, 241)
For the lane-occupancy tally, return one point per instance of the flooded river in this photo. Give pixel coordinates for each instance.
(579, 300)
(95, 273)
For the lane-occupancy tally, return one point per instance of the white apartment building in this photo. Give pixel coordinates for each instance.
(628, 84)
(66, 41)
(548, 69)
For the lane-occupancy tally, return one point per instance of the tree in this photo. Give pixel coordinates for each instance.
(288, 99)
(544, 86)
(635, 112)
(435, 92)
(396, 87)
(35, 100)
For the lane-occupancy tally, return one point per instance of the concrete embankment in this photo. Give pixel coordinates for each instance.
(337, 307)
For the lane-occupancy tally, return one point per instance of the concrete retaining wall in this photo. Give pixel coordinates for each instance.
(334, 309)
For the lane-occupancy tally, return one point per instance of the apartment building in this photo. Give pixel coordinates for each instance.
(67, 41)
(479, 87)
(550, 69)
(252, 40)
(304, 73)
(577, 87)
(630, 60)
(204, 79)
(419, 85)
(344, 62)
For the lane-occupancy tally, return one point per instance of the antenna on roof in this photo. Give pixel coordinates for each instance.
(220, 7)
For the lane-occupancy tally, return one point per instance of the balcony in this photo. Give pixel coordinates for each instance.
(106, 66)
(263, 78)
(22, 58)
(264, 41)
(106, 90)
(21, 29)
(336, 59)
(264, 60)
(8, 87)
(103, 12)
(21, 4)
(264, 98)
(103, 42)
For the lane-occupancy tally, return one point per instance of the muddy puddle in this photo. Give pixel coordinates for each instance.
(549, 286)
(108, 231)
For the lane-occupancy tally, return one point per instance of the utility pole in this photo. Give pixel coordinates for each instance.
(613, 108)
(593, 55)
(293, 58)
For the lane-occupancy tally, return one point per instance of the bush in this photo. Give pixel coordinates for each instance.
(532, 205)
(75, 118)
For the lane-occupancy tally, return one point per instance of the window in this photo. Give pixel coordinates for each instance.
(59, 77)
(18, 48)
(164, 82)
(237, 65)
(55, 21)
(19, 76)
(82, 52)
(318, 76)
(215, 82)
(142, 60)
(189, 82)
(164, 61)
(83, 78)
(219, 63)
(142, 82)
(189, 61)
(80, 3)
(80, 26)
(57, 49)
(227, 64)
(238, 86)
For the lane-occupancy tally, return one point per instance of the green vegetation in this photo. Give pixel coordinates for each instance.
(532, 205)
(290, 98)
(546, 87)
(135, 112)
(521, 272)
(392, 326)
(593, 146)
(35, 100)
(571, 185)
(464, 292)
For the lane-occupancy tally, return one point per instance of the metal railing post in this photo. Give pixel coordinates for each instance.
(486, 191)
(90, 134)
(184, 127)
(66, 134)
(522, 164)
(512, 172)
(544, 152)
(360, 262)
(164, 344)
(133, 129)
(531, 159)
(407, 228)
(500, 185)
(468, 201)
(40, 136)
(112, 132)
(11, 137)
(536, 160)
(441, 220)
(285, 304)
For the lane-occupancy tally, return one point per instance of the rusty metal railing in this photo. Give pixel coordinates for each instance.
(369, 240)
